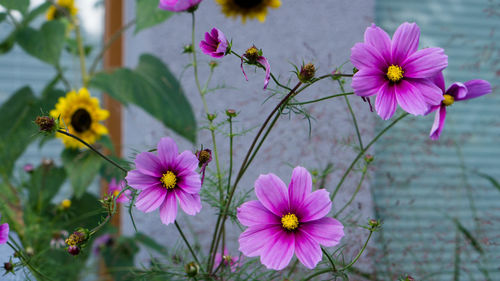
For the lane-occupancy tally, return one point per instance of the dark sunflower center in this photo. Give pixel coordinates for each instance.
(81, 120)
(247, 4)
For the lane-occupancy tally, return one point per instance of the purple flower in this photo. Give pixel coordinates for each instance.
(178, 5)
(254, 56)
(283, 222)
(456, 92)
(215, 44)
(28, 168)
(226, 260)
(165, 178)
(101, 242)
(4, 232)
(115, 189)
(396, 72)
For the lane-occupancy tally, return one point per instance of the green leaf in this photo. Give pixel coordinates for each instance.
(81, 168)
(150, 243)
(18, 113)
(19, 5)
(119, 258)
(491, 179)
(3, 16)
(36, 12)
(148, 14)
(45, 44)
(8, 43)
(45, 182)
(152, 87)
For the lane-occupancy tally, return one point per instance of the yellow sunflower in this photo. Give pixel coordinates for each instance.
(248, 8)
(80, 114)
(68, 5)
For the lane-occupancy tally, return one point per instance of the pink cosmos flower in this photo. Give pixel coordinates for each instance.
(215, 44)
(287, 221)
(254, 56)
(227, 260)
(178, 5)
(165, 179)
(396, 71)
(115, 189)
(456, 92)
(4, 232)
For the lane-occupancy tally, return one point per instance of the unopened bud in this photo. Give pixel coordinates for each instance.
(211, 117)
(354, 70)
(213, 64)
(374, 223)
(74, 250)
(65, 204)
(307, 73)
(204, 157)
(188, 49)
(8, 266)
(231, 113)
(192, 269)
(368, 158)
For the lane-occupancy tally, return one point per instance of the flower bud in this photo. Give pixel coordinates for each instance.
(354, 70)
(211, 117)
(188, 49)
(8, 266)
(368, 158)
(28, 168)
(213, 64)
(30, 251)
(374, 223)
(46, 124)
(307, 73)
(231, 113)
(192, 269)
(73, 250)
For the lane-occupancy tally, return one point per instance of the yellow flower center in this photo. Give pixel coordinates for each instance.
(395, 73)
(448, 100)
(168, 180)
(289, 221)
(66, 203)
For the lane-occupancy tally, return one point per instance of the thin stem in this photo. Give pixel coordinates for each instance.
(352, 115)
(230, 120)
(13, 19)
(363, 151)
(108, 44)
(359, 254)
(355, 192)
(93, 149)
(317, 273)
(219, 218)
(186, 242)
(334, 269)
(27, 263)
(81, 52)
(321, 99)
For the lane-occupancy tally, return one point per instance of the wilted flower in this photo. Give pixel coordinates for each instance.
(456, 92)
(165, 178)
(254, 56)
(4, 232)
(204, 157)
(179, 5)
(74, 250)
(46, 124)
(396, 71)
(215, 44)
(287, 221)
(8, 266)
(226, 260)
(115, 189)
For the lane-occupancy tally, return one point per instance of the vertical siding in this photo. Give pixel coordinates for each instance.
(420, 185)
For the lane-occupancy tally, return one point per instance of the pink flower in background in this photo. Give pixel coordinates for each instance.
(396, 71)
(115, 189)
(215, 44)
(28, 168)
(178, 5)
(456, 92)
(287, 221)
(165, 179)
(226, 260)
(101, 242)
(4, 232)
(254, 56)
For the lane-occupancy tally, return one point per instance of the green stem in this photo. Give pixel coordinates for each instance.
(81, 52)
(363, 151)
(107, 45)
(230, 120)
(352, 115)
(317, 273)
(321, 99)
(28, 264)
(359, 254)
(355, 192)
(334, 269)
(93, 149)
(186, 242)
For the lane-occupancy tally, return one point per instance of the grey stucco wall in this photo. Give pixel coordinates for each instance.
(318, 31)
